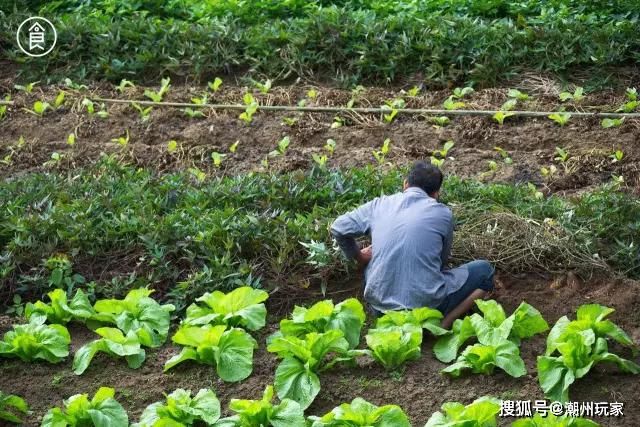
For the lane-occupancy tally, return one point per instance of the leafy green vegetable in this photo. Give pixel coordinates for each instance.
(180, 409)
(425, 317)
(36, 340)
(362, 413)
(114, 343)
(395, 345)
(229, 350)
(101, 411)
(347, 316)
(523, 323)
(12, 407)
(482, 358)
(574, 347)
(481, 413)
(60, 310)
(243, 307)
(138, 313)
(264, 413)
(551, 420)
(303, 358)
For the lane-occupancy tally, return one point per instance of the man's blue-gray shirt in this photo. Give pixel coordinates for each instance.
(411, 236)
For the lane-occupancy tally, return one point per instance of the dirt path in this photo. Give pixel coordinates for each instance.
(420, 390)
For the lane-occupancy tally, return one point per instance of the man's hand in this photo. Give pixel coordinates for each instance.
(364, 256)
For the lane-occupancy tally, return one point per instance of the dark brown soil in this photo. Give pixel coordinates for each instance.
(530, 142)
(419, 389)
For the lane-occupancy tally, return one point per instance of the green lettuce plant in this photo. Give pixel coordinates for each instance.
(523, 323)
(138, 313)
(392, 346)
(551, 420)
(303, 358)
(101, 411)
(263, 412)
(181, 409)
(229, 350)
(35, 340)
(115, 344)
(347, 316)
(243, 307)
(574, 347)
(482, 412)
(362, 413)
(424, 317)
(12, 407)
(60, 310)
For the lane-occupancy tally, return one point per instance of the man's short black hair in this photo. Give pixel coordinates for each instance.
(425, 176)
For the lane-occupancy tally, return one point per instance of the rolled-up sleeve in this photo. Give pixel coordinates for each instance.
(351, 225)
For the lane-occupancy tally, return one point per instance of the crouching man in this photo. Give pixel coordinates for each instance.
(411, 236)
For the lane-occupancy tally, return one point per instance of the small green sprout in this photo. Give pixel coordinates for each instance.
(3, 108)
(504, 154)
(124, 83)
(509, 105)
(441, 121)
(631, 93)
(617, 156)
(39, 108)
(560, 118)
(233, 147)
(281, 149)
(444, 151)
(437, 162)
(193, 113)
(611, 123)
(215, 84)
(197, 174)
(500, 116)
(392, 106)
(576, 96)
(330, 146)
(217, 158)
(59, 101)
(165, 84)
(172, 146)
(75, 86)
(28, 88)
(122, 141)
(56, 158)
(548, 172)
(71, 139)
(337, 122)
(380, 155)
(493, 166)
(290, 121)
(145, 113)
(516, 94)
(263, 87)
(628, 107)
(251, 108)
(413, 92)
(617, 180)
(450, 104)
(535, 192)
(321, 160)
(459, 93)
(562, 155)
(312, 94)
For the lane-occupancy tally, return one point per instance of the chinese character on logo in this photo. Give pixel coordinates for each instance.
(36, 36)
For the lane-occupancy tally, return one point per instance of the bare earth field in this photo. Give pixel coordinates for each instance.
(420, 389)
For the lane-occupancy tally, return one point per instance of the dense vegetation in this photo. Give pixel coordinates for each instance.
(184, 234)
(347, 41)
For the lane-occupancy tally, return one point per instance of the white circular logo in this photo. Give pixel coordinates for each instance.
(36, 36)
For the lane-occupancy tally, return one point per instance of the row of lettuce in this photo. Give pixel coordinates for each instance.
(350, 41)
(217, 331)
(181, 408)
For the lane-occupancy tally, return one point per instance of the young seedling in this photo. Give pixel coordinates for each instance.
(413, 92)
(91, 109)
(548, 172)
(281, 149)
(392, 106)
(122, 141)
(628, 107)
(124, 83)
(617, 181)
(312, 94)
(217, 158)
(59, 101)
(172, 146)
(71, 139)
(3, 108)
(616, 156)
(562, 156)
(535, 192)
(504, 154)
(263, 87)
(611, 123)
(75, 86)
(560, 118)
(145, 113)
(459, 93)
(576, 96)
(28, 88)
(355, 94)
(437, 162)
(196, 112)
(39, 108)
(516, 94)
(509, 105)
(631, 93)
(450, 104)
(381, 154)
(337, 122)
(320, 159)
(233, 147)
(500, 116)
(165, 84)
(56, 158)
(493, 166)
(330, 146)
(290, 121)
(441, 121)
(251, 108)
(197, 174)
(444, 151)
(215, 84)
